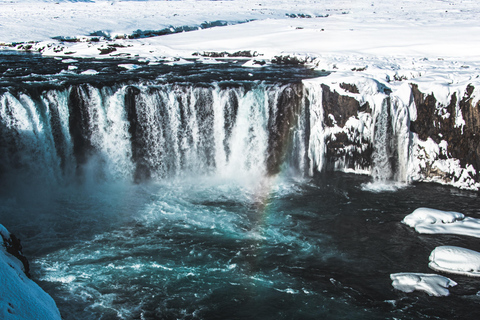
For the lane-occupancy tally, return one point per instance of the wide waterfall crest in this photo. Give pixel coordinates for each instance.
(154, 131)
(147, 130)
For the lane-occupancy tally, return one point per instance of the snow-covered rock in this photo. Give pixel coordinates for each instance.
(432, 221)
(432, 284)
(456, 260)
(20, 297)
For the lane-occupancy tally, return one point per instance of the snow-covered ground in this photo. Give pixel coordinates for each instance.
(356, 32)
(20, 297)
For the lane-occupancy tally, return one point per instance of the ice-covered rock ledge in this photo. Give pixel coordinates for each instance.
(20, 297)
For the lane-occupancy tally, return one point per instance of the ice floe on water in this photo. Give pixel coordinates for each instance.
(129, 66)
(449, 259)
(431, 221)
(89, 72)
(432, 284)
(456, 260)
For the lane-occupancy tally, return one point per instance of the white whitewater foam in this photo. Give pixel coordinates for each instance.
(129, 66)
(89, 72)
(432, 221)
(383, 186)
(432, 284)
(455, 260)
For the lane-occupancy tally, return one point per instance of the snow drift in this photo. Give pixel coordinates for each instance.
(455, 260)
(432, 284)
(432, 221)
(21, 298)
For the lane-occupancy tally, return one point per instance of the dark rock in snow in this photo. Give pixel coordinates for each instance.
(341, 107)
(438, 122)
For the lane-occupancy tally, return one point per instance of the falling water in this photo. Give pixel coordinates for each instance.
(150, 131)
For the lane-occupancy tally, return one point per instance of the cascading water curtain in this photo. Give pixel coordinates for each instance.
(150, 131)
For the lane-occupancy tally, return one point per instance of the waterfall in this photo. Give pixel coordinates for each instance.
(148, 131)
(383, 158)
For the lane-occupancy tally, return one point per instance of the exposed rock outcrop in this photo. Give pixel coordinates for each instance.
(441, 144)
(456, 125)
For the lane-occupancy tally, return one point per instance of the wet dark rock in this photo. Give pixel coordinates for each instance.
(224, 54)
(79, 124)
(288, 60)
(135, 129)
(349, 87)
(107, 50)
(281, 121)
(341, 107)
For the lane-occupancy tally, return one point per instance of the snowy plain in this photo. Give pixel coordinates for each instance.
(342, 35)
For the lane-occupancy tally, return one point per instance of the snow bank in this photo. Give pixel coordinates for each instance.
(455, 260)
(20, 297)
(432, 284)
(432, 221)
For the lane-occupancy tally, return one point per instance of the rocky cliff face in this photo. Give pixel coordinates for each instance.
(138, 132)
(409, 138)
(456, 126)
(346, 146)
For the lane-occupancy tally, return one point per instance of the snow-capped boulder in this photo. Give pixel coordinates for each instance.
(432, 284)
(433, 221)
(455, 260)
(20, 297)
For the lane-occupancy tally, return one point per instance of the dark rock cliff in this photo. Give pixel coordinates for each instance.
(349, 145)
(455, 125)
(438, 122)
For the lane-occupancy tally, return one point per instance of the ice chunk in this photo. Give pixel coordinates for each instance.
(69, 60)
(432, 284)
(426, 220)
(90, 72)
(455, 260)
(129, 66)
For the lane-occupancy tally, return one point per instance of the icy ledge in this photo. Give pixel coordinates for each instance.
(455, 260)
(20, 297)
(432, 284)
(432, 221)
